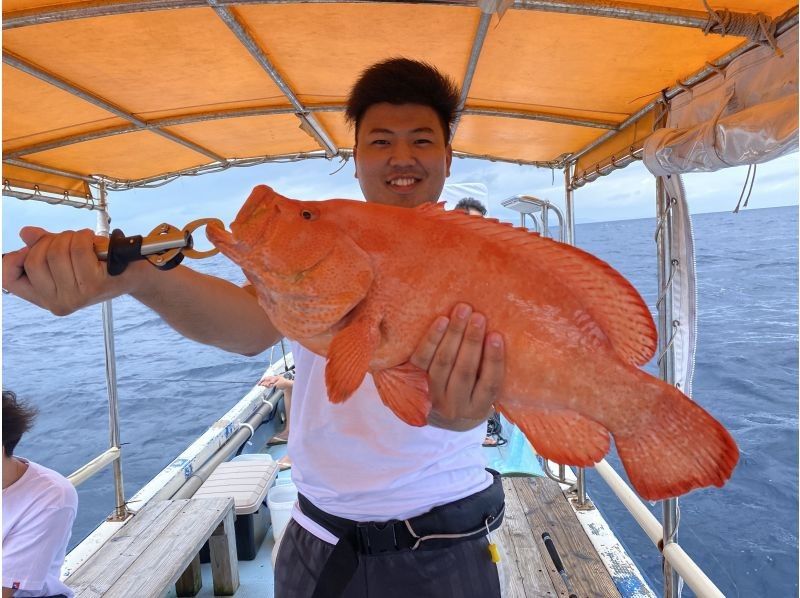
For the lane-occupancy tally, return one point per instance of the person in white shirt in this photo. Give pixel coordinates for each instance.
(384, 509)
(39, 506)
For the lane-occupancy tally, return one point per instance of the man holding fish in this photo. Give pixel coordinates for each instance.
(356, 465)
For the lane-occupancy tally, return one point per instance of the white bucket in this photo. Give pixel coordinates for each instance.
(280, 500)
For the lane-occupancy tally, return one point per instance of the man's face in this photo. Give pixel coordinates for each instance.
(400, 154)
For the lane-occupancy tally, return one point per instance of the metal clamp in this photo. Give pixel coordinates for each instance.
(165, 246)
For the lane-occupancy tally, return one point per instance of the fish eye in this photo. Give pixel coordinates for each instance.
(307, 215)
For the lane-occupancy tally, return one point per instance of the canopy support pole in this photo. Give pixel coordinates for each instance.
(569, 204)
(666, 359)
(120, 508)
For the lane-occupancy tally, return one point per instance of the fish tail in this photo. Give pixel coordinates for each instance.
(676, 448)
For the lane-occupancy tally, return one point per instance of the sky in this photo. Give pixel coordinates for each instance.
(625, 194)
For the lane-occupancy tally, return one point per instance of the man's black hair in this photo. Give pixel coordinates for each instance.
(470, 203)
(17, 419)
(404, 81)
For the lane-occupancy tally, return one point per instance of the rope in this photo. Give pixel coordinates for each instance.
(758, 28)
(750, 169)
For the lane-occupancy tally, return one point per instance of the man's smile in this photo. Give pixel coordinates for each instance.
(403, 183)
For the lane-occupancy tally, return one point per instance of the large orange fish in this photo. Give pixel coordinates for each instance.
(361, 283)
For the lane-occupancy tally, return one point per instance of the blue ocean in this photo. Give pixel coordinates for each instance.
(743, 536)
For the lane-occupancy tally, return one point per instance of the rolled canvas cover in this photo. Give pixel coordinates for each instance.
(746, 115)
(684, 285)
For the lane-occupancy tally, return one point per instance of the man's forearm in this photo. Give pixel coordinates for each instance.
(206, 309)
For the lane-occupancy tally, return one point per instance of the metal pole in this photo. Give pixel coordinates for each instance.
(545, 223)
(309, 122)
(569, 237)
(666, 363)
(237, 439)
(569, 203)
(120, 510)
(678, 17)
(472, 64)
(82, 204)
(581, 487)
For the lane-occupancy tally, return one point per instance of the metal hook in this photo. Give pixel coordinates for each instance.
(193, 226)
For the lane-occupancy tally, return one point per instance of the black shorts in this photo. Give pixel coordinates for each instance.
(460, 570)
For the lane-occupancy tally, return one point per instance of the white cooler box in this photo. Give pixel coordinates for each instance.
(247, 482)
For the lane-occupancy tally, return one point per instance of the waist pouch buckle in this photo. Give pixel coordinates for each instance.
(376, 538)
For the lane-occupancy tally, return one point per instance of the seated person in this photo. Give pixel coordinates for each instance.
(39, 506)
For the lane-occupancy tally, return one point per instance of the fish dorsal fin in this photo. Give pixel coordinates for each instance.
(610, 300)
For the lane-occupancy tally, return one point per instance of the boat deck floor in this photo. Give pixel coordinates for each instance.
(534, 505)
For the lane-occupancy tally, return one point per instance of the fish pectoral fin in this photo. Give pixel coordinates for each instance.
(561, 435)
(349, 355)
(404, 390)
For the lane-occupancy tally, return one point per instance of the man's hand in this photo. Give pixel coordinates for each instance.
(465, 366)
(60, 272)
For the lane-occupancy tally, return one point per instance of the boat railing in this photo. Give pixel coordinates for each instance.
(538, 210)
(672, 552)
(113, 455)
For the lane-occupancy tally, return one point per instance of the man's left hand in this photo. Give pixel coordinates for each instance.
(465, 366)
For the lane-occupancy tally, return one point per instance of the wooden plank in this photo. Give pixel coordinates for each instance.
(173, 549)
(224, 561)
(548, 511)
(191, 581)
(104, 567)
(524, 567)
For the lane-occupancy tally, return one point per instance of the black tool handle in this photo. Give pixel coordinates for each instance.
(551, 548)
(122, 251)
(556, 558)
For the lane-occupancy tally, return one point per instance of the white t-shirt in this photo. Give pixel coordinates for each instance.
(358, 460)
(38, 511)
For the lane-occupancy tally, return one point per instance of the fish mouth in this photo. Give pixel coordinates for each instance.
(219, 237)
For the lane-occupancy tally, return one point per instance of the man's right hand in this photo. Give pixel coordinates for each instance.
(60, 272)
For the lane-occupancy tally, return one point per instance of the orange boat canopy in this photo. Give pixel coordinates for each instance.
(137, 91)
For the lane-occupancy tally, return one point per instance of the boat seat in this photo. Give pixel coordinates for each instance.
(245, 480)
(159, 547)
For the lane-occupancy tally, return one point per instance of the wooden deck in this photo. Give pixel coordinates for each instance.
(535, 505)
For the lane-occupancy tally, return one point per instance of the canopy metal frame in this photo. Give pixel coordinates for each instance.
(678, 17)
(311, 125)
(272, 111)
(41, 74)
